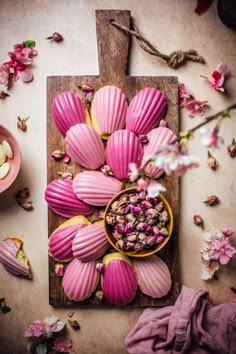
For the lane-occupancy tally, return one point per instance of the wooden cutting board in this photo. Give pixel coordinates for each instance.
(113, 49)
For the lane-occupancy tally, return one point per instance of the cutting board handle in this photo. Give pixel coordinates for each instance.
(113, 45)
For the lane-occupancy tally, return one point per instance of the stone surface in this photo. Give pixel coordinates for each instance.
(169, 25)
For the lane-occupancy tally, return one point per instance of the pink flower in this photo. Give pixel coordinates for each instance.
(142, 184)
(63, 345)
(184, 95)
(208, 271)
(222, 251)
(210, 138)
(173, 161)
(154, 188)
(29, 332)
(195, 107)
(226, 231)
(59, 269)
(37, 328)
(134, 172)
(4, 75)
(219, 77)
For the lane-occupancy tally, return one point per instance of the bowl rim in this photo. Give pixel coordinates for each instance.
(7, 132)
(143, 253)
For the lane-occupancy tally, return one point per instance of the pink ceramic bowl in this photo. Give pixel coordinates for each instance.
(6, 182)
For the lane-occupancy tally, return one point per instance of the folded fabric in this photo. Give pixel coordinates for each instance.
(192, 326)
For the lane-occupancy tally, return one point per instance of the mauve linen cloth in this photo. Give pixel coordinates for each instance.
(192, 326)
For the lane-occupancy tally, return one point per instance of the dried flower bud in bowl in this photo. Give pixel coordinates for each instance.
(137, 225)
(10, 158)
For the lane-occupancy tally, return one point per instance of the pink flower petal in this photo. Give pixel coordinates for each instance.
(222, 69)
(26, 75)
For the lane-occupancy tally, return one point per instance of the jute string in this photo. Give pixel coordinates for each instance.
(173, 60)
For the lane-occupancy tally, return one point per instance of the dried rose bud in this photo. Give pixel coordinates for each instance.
(66, 158)
(120, 219)
(119, 228)
(106, 170)
(131, 218)
(163, 123)
(150, 240)
(3, 94)
(152, 221)
(129, 245)
(151, 213)
(160, 239)
(226, 232)
(156, 230)
(26, 205)
(212, 200)
(135, 210)
(116, 235)
(142, 226)
(99, 295)
(145, 204)
(120, 244)
(57, 155)
(57, 37)
(100, 213)
(164, 216)
(59, 269)
(131, 237)
(124, 198)
(115, 205)
(100, 267)
(232, 148)
(23, 193)
(143, 139)
(142, 194)
(110, 219)
(211, 161)
(197, 219)
(123, 209)
(149, 230)
(164, 232)
(86, 87)
(129, 227)
(138, 247)
(74, 324)
(21, 123)
(65, 175)
(159, 206)
(133, 199)
(142, 236)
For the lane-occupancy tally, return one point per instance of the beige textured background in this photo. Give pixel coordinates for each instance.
(170, 25)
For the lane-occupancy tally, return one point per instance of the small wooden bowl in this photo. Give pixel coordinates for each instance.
(15, 162)
(144, 252)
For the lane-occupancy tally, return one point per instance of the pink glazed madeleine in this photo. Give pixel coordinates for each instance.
(80, 279)
(109, 110)
(62, 200)
(123, 147)
(94, 188)
(145, 111)
(67, 110)
(156, 138)
(84, 146)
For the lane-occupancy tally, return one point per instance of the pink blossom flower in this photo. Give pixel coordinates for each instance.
(226, 231)
(208, 271)
(195, 107)
(4, 75)
(134, 172)
(155, 188)
(59, 269)
(63, 345)
(219, 77)
(184, 95)
(222, 251)
(142, 184)
(210, 138)
(173, 161)
(37, 328)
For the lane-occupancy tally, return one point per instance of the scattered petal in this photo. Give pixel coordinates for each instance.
(154, 189)
(4, 75)
(210, 138)
(26, 75)
(134, 172)
(219, 77)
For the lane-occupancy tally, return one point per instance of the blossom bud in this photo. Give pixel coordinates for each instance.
(119, 228)
(163, 123)
(86, 87)
(23, 193)
(129, 227)
(143, 139)
(164, 232)
(212, 200)
(3, 94)
(65, 175)
(57, 155)
(151, 213)
(26, 205)
(120, 244)
(164, 216)
(232, 148)
(135, 210)
(160, 239)
(120, 219)
(57, 37)
(131, 237)
(74, 324)
(211, 161)
(148, 230)
(150, 240)
(142, 226)
(59, 269)
(197, 219)
(99, 295)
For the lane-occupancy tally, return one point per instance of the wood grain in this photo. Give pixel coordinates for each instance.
(113, 47)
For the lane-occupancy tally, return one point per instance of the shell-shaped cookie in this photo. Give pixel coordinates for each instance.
(80, 279)
(13, 258)
(119, 283)
(123, 147)
(153, 276)
(90, 243)
(67, 110)
(156, 138)
(62, 200)
(60, 242)
(145, 110)
(94, 188)
(109, 110)
(84, 146)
